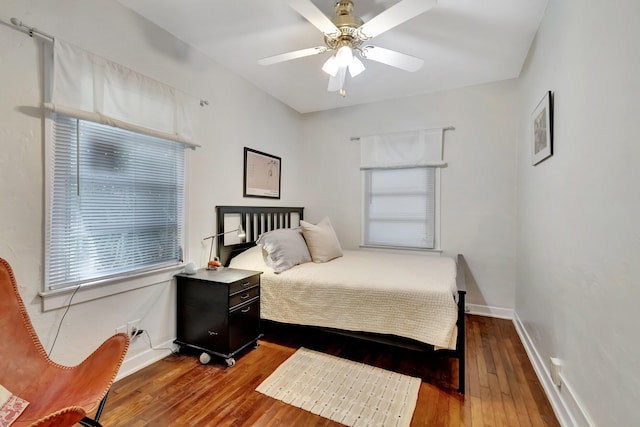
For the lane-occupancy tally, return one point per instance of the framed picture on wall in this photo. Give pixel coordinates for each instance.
(261, 174)
(542, 126)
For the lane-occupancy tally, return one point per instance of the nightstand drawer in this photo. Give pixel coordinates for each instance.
(244, 296)
(244, 324)
(243, 284)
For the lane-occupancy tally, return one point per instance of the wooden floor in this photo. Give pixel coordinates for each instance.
(502, 388)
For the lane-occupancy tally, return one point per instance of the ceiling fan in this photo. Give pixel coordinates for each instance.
(346, 33)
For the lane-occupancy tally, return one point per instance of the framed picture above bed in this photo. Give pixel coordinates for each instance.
(542, 125)
(261, 174)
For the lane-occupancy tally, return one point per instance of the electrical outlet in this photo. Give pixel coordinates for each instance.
(136, 333)
(132, 326)
(121, 329)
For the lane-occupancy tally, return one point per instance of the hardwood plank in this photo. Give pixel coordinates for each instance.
(480, 357)
(488, 417)
(499, 412)
(477, 417)
(427, 409)
(444, 402)
(502, 389)
(473, 378)
(456, 413)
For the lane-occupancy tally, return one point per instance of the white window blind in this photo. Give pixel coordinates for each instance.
(402, 149)
(115, 203)
(399, 207)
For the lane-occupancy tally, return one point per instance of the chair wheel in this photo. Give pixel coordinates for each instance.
(205, 358)
(230, 362)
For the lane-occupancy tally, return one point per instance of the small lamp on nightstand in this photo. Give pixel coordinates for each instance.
(212, 263)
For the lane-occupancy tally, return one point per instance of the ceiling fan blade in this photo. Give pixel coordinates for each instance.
(393, 58)
(314, 15)
(395, 15)
(293, 55)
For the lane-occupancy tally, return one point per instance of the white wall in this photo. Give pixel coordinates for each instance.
(478, 186)
(578, 229)
(238, 115)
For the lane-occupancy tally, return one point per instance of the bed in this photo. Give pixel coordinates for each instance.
(408, 300)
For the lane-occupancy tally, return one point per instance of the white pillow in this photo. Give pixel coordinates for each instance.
(285, 248)
(321, 240)
(251, 259)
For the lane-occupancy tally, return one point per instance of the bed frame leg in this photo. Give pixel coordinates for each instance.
(460, 345)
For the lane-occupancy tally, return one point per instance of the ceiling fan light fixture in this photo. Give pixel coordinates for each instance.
(331, 66)
(344, 55)
(356, 67)
(336, 83)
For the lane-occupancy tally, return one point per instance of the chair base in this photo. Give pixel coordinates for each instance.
(89, 422)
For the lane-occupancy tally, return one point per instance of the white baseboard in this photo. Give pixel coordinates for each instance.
(566, 406)
(484, 310)
(143, 359)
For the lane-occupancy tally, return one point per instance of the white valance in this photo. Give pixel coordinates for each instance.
(402, 150)
(89, 87)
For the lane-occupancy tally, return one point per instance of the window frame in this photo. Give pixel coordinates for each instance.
(109, 285)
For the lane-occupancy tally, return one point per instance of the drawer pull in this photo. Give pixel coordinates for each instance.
(245, 284)
(212, 333)
(246, 310)
(245, 296)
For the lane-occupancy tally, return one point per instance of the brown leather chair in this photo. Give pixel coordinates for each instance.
(57, 395)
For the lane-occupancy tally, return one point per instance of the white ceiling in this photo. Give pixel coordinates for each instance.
(463, 42)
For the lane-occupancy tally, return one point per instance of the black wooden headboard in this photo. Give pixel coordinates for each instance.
(255, 220)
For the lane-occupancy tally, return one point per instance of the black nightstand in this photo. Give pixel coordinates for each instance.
(219, 311)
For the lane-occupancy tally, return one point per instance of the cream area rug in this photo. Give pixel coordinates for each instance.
(350, 393)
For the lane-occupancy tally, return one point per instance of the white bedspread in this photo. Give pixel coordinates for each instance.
(411, 296)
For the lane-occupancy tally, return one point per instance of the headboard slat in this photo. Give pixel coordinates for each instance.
(255, 220)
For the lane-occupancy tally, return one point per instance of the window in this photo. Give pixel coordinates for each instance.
(399, 207)
(115, 203)
(401, 182)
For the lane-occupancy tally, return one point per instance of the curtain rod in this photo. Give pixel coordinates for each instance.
(32, 31)
(357, 138)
